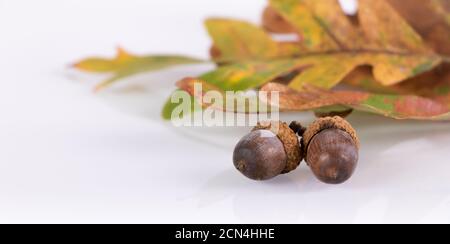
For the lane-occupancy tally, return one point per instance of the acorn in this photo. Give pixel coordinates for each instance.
(270, 149)
(331, 149)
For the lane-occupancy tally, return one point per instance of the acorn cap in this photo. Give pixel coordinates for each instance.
(289, 139)
(335, 122)
(343, 113)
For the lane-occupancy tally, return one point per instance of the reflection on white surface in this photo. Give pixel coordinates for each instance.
(68, 155)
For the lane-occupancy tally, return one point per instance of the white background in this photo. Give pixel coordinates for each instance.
(68, 155)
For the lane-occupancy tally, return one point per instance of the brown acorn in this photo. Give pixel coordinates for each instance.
(331, 149)
(271, 149)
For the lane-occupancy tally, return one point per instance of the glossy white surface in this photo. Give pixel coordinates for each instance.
(68, 155)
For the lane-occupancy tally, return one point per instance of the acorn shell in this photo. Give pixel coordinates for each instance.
(290, 140)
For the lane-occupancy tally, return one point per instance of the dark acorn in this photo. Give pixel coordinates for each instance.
(331, 149)
(271, 149)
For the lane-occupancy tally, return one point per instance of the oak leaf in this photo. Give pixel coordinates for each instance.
(310, 98)
(126, 64)
(397, 62)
